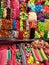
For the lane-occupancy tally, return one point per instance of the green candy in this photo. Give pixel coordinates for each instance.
(41, 26)
(23, 15)
(2, 5)
(1, 12)
(46, 3)
(45, 35)
(28, 49)
(18, 55)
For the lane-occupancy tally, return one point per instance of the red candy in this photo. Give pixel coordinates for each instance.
(46, 9)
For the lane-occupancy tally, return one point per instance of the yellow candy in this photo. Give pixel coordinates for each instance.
(47, 25)
(31, 1)
(29, 62)
(30, 59)
(37, 63)
(4, 13)
(21, 28)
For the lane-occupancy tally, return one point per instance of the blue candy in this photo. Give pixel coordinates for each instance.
(38, 8)
(14, 23)
(32, 6)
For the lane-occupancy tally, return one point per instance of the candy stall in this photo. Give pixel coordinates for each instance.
(24, 32)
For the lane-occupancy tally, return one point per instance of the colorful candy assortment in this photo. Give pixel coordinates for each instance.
(36, 52)
(22, 15)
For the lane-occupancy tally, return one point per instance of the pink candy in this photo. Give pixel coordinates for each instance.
(15, 4)
(8, 4)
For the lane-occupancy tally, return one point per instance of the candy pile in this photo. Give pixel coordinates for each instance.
(22, 15)
(37, 53)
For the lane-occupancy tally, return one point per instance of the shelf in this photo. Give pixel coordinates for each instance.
(13, 40)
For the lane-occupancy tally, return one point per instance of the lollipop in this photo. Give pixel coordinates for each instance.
(39, 8)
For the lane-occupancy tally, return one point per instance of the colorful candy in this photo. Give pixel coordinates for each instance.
(39, 8)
